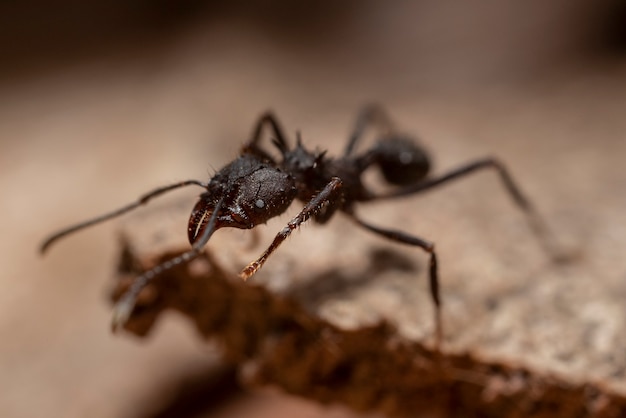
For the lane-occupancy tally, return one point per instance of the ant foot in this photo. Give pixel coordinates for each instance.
(250, 270)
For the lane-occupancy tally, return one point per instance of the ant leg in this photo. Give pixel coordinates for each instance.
(141, 201)
(279, 139)
(124, 306)
(429, 247)
(325, 197)
(536, 223)
(369, 115)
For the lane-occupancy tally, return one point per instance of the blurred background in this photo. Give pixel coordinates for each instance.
(103, 100)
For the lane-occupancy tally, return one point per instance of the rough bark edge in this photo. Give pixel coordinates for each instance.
(274, 341)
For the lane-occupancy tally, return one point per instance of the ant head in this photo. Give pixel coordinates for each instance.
(247, 192)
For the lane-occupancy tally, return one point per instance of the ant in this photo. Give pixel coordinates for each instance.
(256, 187)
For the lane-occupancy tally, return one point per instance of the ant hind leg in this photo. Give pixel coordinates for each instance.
(535, 221)
(433, 271)
(369, 115)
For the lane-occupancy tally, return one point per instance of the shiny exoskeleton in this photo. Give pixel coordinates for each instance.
(256, 187)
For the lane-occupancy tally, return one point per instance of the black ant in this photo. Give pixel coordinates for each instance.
(256, 187)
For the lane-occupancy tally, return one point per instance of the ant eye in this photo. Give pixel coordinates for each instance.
(259, 204)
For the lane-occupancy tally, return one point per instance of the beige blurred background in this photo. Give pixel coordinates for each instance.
(100, 102)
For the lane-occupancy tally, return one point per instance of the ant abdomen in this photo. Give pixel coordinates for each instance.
(401, 160)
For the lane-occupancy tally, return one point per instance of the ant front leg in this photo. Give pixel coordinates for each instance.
(279, 138)
(433, 271)
(327, 196)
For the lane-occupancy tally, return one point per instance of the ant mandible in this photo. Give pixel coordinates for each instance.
(256, 187)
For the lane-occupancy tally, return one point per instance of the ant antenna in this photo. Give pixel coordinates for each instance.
(113, 214)
(124, 307)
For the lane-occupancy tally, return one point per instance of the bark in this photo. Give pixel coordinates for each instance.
(279, 338)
